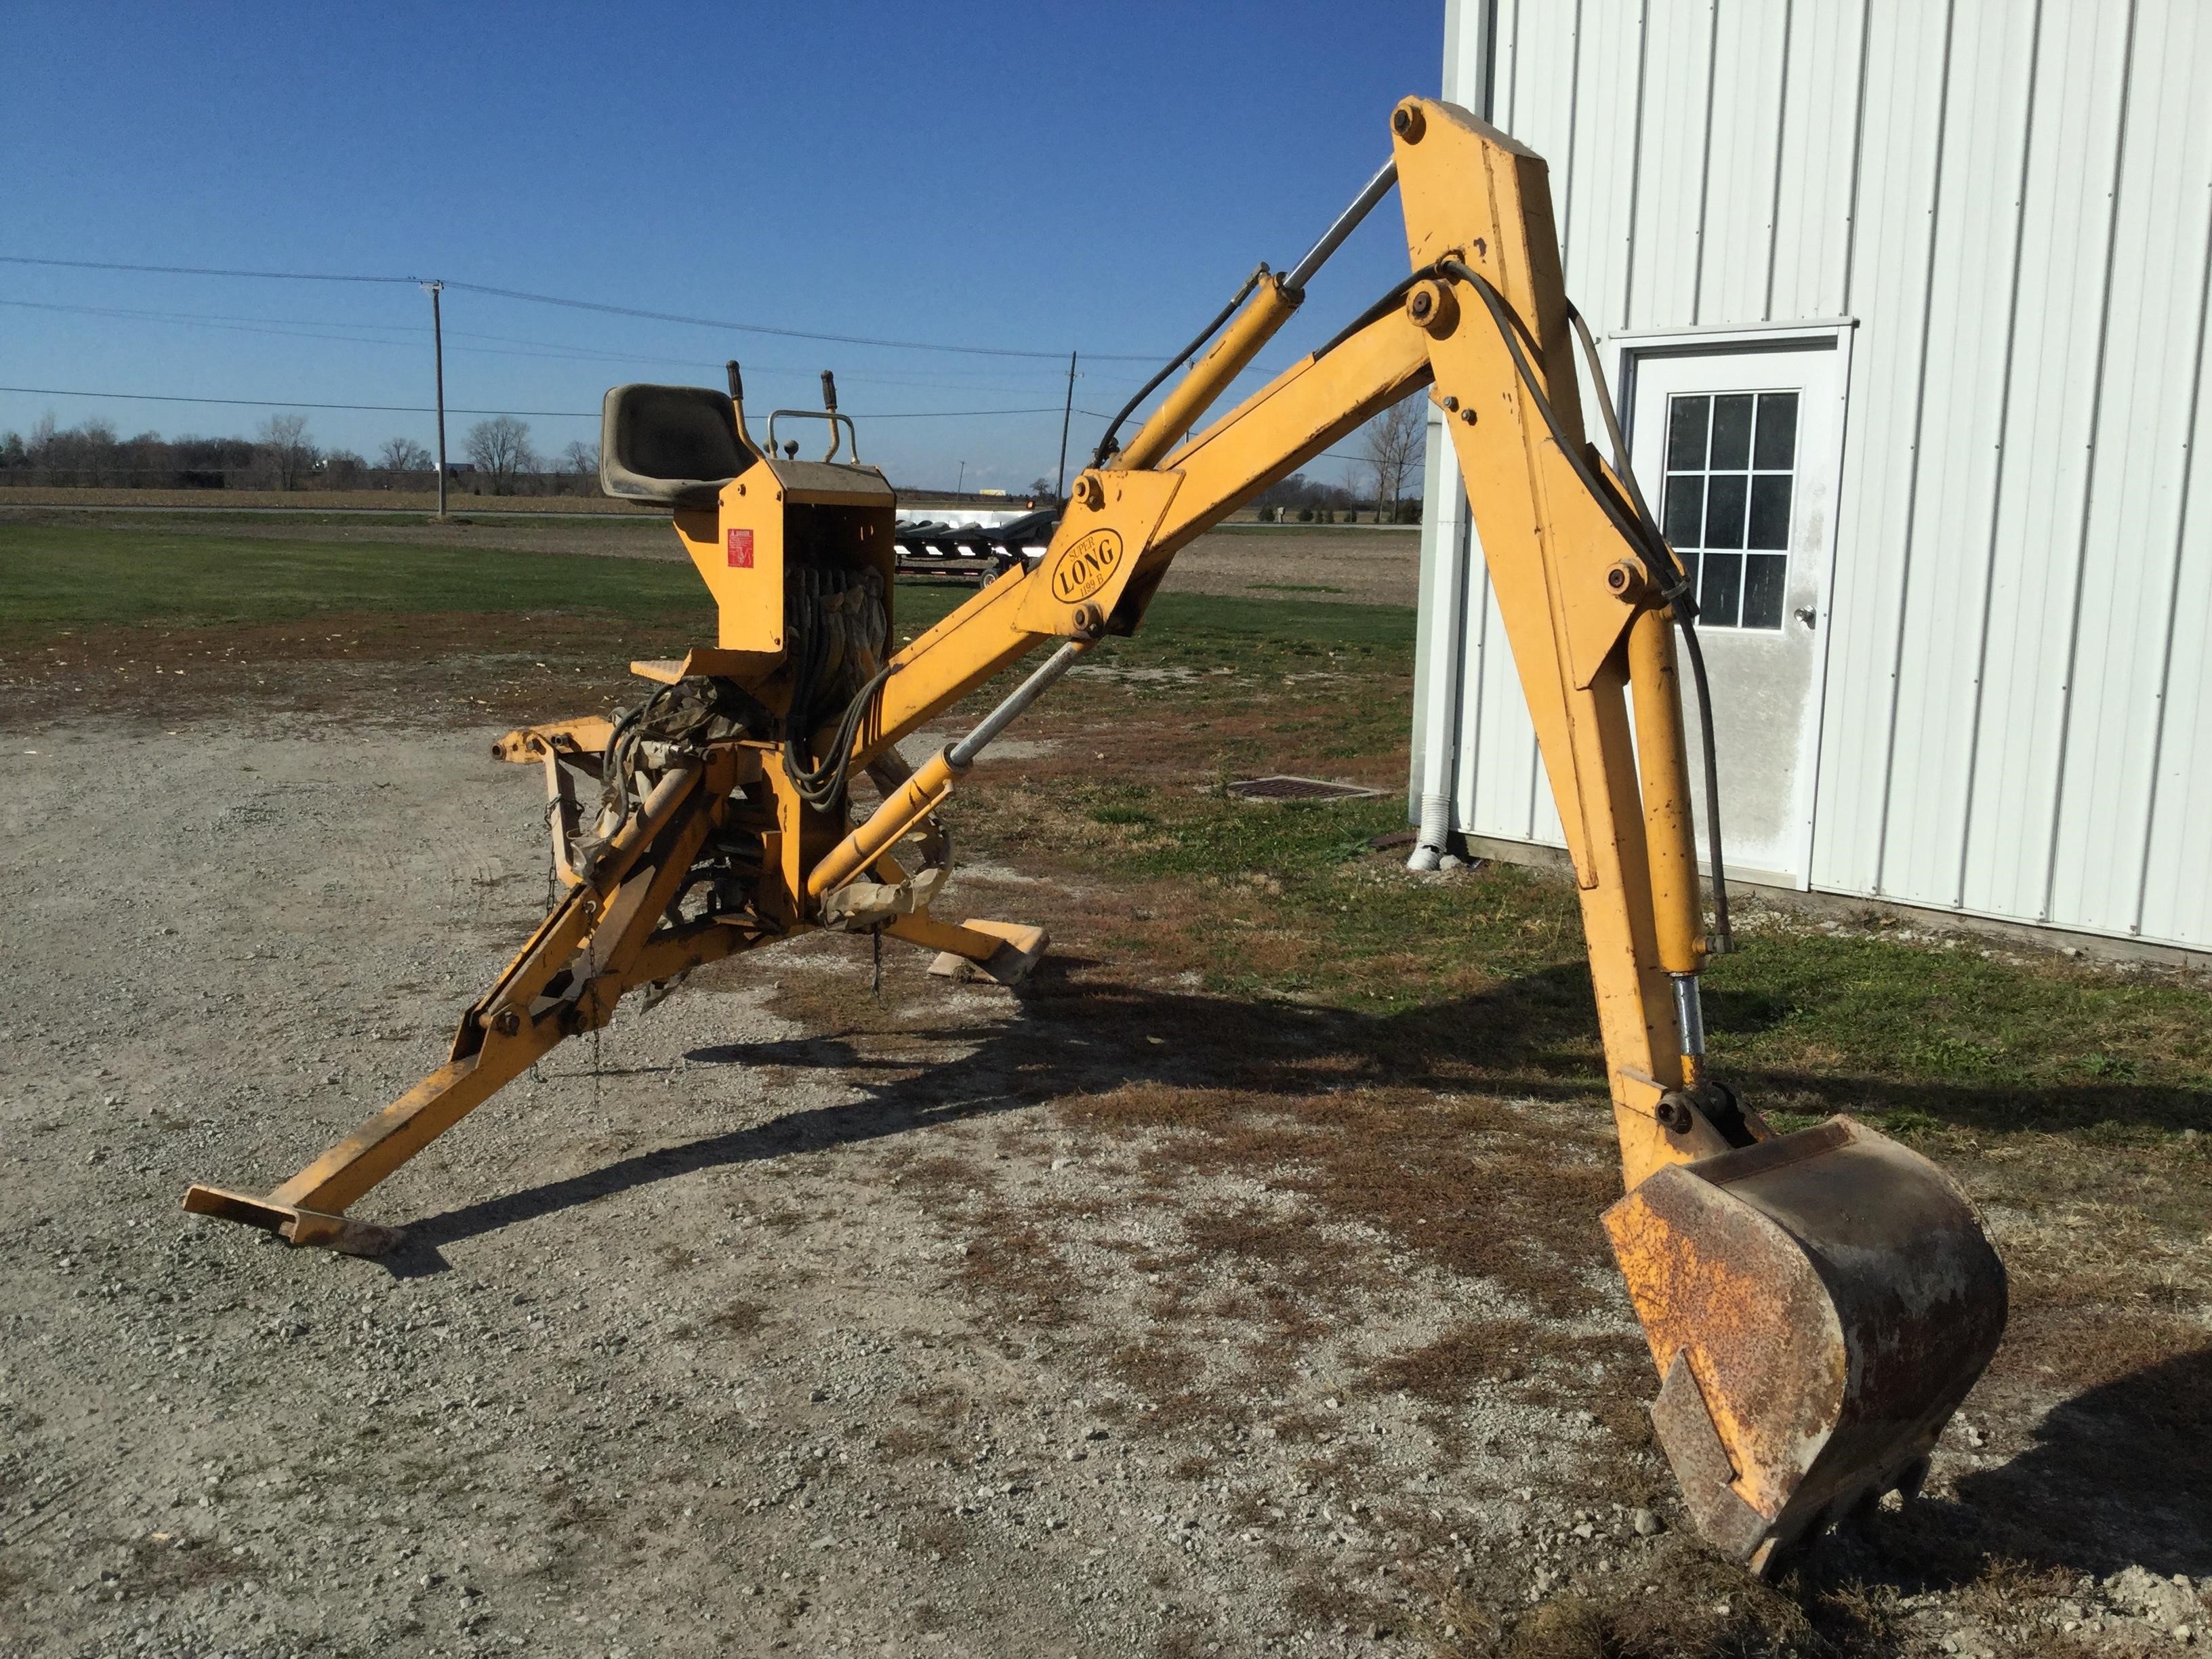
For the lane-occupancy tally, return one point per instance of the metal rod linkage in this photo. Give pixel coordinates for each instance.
(925, 789)
(1346, 222)
(1690, 1018)
(961, 755)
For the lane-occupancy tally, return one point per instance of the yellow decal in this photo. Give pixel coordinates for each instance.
(1086, 567)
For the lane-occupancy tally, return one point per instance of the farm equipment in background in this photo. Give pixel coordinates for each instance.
(1817, 1304)
(973, 547)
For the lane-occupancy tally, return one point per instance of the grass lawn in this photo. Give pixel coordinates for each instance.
(69, 577)
(1925, 1038)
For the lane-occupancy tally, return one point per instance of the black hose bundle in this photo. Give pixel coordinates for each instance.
(1668, 577)
(681, 719)
(836, 625)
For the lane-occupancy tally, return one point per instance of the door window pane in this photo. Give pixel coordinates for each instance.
(1764, 575)
(1770, 511)
(1686, 434)
(1729, 489)
(1722, 590)
(1777, 446)
(1724, 493)
(1686, 509)
(1732, 432)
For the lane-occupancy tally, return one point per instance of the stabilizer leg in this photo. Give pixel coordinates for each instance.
(309, 1209)
(1007, 951)
(605, 936)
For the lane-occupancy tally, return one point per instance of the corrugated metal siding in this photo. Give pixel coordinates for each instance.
(1823, 73)
(1743, 133)
(1887, 276)
(2015, 201)
(2029, 590)
(2132, 529)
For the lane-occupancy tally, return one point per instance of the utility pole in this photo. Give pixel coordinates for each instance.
(1061, 489)
(961, 488)
(438, 350)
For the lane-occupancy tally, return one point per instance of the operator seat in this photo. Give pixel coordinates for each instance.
(674, 446)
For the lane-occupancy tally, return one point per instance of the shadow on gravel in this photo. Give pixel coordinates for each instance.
(2118, 1476)
(1086, 1037)
(1531, 1037)
(421, 1251)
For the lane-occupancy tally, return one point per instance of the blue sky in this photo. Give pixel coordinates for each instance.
(1029, 177)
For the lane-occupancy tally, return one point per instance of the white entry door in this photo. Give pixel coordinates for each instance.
(1739, 447)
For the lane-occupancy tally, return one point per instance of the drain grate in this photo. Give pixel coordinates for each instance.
(1289, 788)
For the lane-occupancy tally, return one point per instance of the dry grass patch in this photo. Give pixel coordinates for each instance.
(835, 1001)
(912, 1440)
(1478, 1190)
(1449, 1371)
(940, 1538)
(1014, 1261)
(1160, 1373)
(739, 1318)
(161, 1568)
(1331, 1604)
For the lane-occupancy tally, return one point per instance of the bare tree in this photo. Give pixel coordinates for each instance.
(403, 455)
(579, 467)
(1393, 452)
(284, 449)
(501, 447)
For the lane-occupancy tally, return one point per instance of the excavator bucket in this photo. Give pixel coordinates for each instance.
(1818, 1304)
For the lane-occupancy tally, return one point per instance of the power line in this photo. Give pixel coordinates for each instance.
(201, 271)
(281, 328)
(300, 328)
(424, 408)
(282, 403)
(782, 333)
(573, 305)
(942, 414)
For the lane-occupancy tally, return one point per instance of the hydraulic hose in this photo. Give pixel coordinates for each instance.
(1684, 607)
(821, 784)
(1642, 536)
(1108, 444)
(1293, 292)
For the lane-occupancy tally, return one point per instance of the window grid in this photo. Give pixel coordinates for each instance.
(1730, 484)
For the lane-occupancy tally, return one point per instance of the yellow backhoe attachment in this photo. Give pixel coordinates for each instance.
(1818, 1304)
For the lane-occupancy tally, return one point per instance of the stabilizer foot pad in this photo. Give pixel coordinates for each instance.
(295, 1225)
(1010, 964)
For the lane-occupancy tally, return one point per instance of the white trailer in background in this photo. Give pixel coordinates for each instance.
(1905, 305)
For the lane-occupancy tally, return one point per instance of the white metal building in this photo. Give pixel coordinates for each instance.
(1904, 303)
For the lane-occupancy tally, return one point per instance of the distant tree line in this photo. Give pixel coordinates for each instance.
(283, 455)
(1390, 457)
(1301, 500)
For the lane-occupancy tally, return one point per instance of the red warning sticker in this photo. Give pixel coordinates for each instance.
(741, 549)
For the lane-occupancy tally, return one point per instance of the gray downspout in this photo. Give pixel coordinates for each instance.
(1447, 538)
